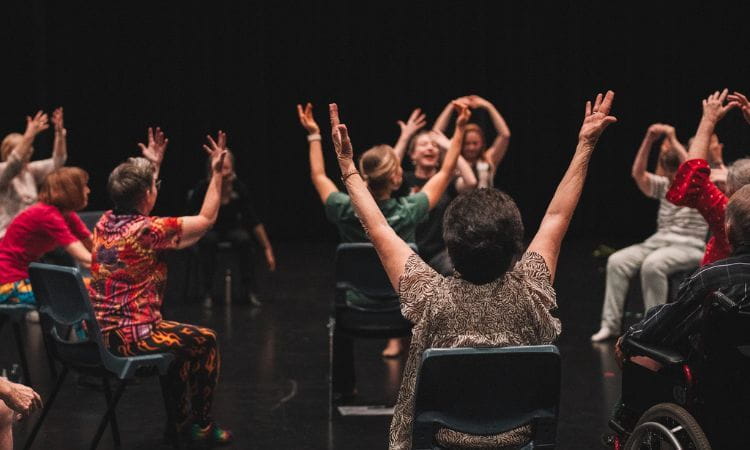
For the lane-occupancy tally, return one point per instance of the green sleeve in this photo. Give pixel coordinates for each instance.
(338, 206)
(419, 207)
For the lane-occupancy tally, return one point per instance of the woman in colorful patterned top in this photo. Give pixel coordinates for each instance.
(129, 274)
(48, 224)
(19, 178)
(487, 303)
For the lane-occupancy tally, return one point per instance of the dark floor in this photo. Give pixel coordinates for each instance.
(273, 389)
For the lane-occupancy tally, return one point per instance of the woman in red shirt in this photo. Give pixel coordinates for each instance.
(50, 223)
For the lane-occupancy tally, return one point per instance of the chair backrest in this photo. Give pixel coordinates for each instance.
(358, 267)
(63, 301)
(487, 391)
(90, 218)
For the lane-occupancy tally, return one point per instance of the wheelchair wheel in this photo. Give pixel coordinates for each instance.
(667, 426)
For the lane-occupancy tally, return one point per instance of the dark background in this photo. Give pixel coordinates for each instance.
(194, 67)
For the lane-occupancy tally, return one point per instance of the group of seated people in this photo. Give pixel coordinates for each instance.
(471, 284)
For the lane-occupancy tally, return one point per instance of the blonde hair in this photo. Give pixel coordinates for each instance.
(472, 127)
(377, 165)
(9, 143)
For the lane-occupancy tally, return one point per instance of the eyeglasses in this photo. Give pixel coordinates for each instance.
(158, 184)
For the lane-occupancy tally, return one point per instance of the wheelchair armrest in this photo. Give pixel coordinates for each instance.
(660, 354)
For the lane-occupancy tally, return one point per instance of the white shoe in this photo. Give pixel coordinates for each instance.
(32, 316)
(602, 335)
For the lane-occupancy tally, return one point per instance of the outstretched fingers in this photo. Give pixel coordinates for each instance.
(333, 112)
(606, 104)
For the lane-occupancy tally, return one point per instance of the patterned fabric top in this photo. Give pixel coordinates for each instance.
(128, 272)
(451, 312)
(683, 222)
(692, 187)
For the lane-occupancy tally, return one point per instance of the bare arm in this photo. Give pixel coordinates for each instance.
(20, 398)
(415, 121)
(441, 124)
(466, 180)
(675, 143)
(640, 163)
(320, 180)
(392, 250)
(555, 223)
(496, 152)
(194, 227)
(60, 146)
(260, 234)
(21, 154)
(80, 253)
(436, 185)
(714, 110)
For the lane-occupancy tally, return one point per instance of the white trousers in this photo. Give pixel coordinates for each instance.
(657, 257)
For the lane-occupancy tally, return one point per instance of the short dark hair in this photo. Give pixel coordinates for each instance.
(670, 160)
(738, 214)
(483, 232)
(128, 183)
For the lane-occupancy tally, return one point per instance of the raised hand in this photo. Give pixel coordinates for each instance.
(714, 108)
(475, 101)
(440, 139)
(306, 118)
(57, 121)
(216, 152)
(597, 118)
(36, 124)
(21, 399)
(742, 102)
(463, 111)
(340, 135)
(416, 120)
(157, 145)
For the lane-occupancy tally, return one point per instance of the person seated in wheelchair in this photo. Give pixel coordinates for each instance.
(491, 301)
(694, 336)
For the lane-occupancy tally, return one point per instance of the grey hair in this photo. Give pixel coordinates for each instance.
(129, 182)
(738, 175)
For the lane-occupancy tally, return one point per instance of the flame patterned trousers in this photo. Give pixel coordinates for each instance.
(195, 370)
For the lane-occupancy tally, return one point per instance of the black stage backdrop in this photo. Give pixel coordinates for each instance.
(195, 67)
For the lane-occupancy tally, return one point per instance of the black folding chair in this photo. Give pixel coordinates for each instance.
(90, 218)
(63, 302)
(488, 391)
(359, 271)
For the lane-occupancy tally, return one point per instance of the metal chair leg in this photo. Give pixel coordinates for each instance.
(113, 415)
(106, 417)
(171, 433)
(45, 410)
(22, 354)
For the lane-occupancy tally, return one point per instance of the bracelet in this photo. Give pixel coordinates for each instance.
(347, 175)
(314, 137)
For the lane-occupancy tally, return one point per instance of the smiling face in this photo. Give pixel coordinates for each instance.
(425, 153)
(473, 146)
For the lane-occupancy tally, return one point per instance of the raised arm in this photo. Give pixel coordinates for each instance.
(560, 210)
(639, 171)
(154, 150)
(413, 124)
(714, 109)
(742, 102)
(671, 135)
(496, 152)
(436, 185)
(393, 251)
(320, 180)
(194, 227)
(466, 179)
(441, 123)
(21, 153)
(60, 146)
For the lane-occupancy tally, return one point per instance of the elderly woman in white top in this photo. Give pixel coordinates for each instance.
(19, 178)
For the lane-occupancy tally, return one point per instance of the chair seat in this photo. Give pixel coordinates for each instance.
(372, 324)
(16, 311)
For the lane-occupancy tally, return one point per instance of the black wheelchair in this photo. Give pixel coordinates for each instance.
(699, 400)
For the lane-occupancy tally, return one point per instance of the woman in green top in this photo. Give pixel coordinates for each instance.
(381, 169)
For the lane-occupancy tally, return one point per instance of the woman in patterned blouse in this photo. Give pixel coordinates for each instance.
(487, 303)
(129, 275)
